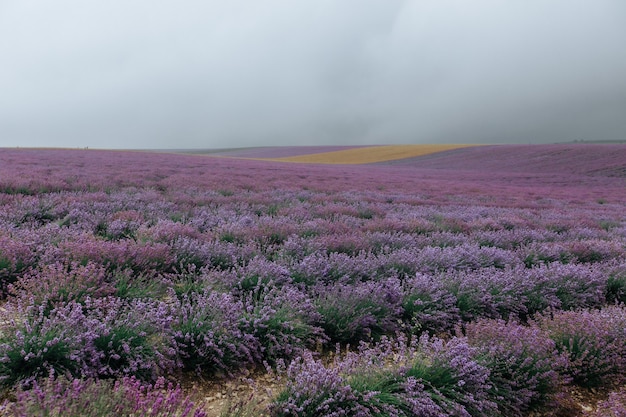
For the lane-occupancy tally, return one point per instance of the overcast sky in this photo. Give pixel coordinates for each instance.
(218, 74)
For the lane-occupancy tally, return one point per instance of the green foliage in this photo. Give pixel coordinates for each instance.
(128, 286)
(616, 288)
(116, 345)
(341, 322)
(96, 398)
(242, 407)
(33, 358)
(187, 284)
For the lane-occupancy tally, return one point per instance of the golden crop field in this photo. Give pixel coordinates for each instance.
(369, 155)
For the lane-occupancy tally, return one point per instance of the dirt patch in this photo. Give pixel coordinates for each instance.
(251, 393)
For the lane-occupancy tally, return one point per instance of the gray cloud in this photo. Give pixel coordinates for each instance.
(166, 74)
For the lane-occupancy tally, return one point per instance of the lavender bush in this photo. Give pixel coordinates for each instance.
(283, 321)
(16, 257)
(432, 378)
(523, 363)
(428, 306)
(129, 285)
(260, 273)
(102, 337)
(521, 292)
(454, 379)
(361, 311)
(56, 285)
(208, 335)
(128, 338)
(35, 342)
(616, 285)
(314, 390)
(119, 255)
(96, 398)
(594, 342)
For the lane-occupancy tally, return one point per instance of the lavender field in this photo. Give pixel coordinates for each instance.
(483, 281)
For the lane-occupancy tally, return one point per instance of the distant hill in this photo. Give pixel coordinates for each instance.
(580, 158)
(339, 155)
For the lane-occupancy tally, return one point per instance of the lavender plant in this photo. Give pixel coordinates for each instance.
(594, 342)
(208, 335)
(283, 320)
(523, 363)
(128, 338)
(191, 281)
(118, 255)
(129, 285)
(16, 257)
(361, 311)
(428, 306)
(616, 285)
(260, 273)
(595, 250)
(58, 284)
(453, 378)
(126, 397)
(314, 390)
(35, 343)
(432, 378)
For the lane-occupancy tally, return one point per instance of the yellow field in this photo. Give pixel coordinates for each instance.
(369, 155)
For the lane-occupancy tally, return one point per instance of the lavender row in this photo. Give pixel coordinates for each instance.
(88, 322)
(497, 368)
(125, 397)
(76, 322)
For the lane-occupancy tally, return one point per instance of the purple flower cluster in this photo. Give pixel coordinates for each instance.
(429, 306)
(56, 284)
(523, 292)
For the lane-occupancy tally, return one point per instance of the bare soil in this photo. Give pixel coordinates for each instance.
(247, 392)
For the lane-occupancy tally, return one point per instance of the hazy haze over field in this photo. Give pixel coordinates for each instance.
(170, 74)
